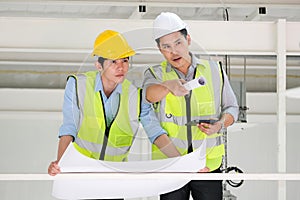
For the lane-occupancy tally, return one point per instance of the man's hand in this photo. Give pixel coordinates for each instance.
(210, 129)
(175, 87)
(53, 168)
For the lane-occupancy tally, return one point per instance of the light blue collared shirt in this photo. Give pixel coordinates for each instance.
(71, 112)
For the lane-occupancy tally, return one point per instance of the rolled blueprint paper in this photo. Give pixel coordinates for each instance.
(195, 83)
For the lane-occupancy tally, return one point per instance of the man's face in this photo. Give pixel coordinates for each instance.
(175, 48)
(114, 71)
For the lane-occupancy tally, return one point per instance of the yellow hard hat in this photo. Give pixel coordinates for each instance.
(112, 45)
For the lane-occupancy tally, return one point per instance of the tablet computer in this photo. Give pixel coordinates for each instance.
(196, 122)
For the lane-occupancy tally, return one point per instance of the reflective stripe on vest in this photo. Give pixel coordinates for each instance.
(97, 140)
(173, 113)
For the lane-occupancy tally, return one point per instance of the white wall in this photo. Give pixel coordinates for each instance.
(31, 118)
(254, 150)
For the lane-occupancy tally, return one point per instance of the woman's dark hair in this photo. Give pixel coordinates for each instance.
(182, 31)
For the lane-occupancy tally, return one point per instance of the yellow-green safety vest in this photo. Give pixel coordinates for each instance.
(95, 139)
(174, 112)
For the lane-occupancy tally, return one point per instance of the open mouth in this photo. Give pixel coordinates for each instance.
(176, 59)
(120, 75)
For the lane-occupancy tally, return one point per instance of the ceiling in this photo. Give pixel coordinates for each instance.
(41, 73)
(189, 10)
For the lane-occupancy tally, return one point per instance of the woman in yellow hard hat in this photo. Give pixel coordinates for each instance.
(102, 109)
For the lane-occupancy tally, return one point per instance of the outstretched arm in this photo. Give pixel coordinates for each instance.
(156, 92)
(166, 146)
(68, 130)
(157, 89)
(64, 142)
(156, 134)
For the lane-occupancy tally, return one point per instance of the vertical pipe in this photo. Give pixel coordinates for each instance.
(281, 107)
(244, 78)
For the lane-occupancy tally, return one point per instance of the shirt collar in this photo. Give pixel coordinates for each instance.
(196, 61)
(99, 85)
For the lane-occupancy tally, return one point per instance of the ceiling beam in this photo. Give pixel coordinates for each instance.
(280, 4)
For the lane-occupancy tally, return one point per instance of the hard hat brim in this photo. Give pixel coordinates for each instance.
(125, 55)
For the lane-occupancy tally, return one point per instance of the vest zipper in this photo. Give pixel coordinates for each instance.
(188, 117)
(107, 129)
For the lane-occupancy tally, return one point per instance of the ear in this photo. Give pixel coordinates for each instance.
(98, 66)
(188, 38)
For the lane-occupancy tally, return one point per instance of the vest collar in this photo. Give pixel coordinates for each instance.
(196, 61)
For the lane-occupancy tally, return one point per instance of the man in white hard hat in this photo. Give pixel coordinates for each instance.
(102, 109)
(176, 106)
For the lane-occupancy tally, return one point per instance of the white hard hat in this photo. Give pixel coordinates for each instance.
(167, 23)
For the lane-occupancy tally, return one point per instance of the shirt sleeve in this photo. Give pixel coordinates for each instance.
(150, 122)
(150, 79)
(70, 111)
(229, 102)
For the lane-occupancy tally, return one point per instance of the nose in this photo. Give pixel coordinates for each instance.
(120, 64)
(173, 50)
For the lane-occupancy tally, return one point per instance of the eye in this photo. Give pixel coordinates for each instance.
(125, 60)
(114, 61)
(165, 47)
